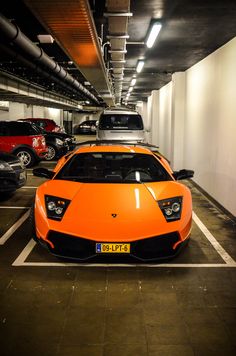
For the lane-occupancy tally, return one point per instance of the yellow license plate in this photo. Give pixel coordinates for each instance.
(112, 248)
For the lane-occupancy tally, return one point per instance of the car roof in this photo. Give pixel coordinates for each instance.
(113, 148)
(120, 112)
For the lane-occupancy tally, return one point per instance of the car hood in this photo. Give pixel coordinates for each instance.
(101, 211)
(8, 158)
(60, 135)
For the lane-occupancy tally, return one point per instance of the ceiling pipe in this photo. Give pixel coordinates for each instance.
(14, 35)
(32, 65)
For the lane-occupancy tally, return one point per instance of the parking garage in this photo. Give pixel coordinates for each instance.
(68, 61)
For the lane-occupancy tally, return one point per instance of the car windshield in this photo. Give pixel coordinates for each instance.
(120, 122)
(39, 129)
(114, 167)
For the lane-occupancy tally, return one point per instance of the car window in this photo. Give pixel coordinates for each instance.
(113, 167)
(19, 129)
(41, 124)
(2, 129)
(38, 128)
(120, 122)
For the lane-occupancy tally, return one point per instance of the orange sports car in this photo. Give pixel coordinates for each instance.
(115, 199)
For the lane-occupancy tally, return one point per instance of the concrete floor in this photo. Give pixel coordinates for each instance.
(185, 307)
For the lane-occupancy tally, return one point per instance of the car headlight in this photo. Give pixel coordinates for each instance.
(56, 207)
(5, 167)
(171, 208)
(59, 142)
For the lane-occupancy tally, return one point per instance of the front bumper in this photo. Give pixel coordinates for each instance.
(10, 181)
(40, 152)
(148, 249)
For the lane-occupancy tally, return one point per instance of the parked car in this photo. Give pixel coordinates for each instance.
(46, 124)
(12, 173)
(69, 139)
(57, 146)
(23, 140)
(113, 200)
(86, 127)
(117, 124)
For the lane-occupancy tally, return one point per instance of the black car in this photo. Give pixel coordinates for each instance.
(70, 139)
(57, 145)
(12, 173)
(86, 127)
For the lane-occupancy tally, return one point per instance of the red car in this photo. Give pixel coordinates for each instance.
(46, 124)
(23, 140)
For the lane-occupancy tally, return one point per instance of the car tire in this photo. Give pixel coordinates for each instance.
(26, 156)
(51, 154)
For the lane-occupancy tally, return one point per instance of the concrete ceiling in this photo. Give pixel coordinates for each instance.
(115, 32)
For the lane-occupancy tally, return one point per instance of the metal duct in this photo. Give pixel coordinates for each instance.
(118, 15)
(71, 24)
(13, 34)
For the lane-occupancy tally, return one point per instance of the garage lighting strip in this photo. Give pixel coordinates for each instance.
(119, 14)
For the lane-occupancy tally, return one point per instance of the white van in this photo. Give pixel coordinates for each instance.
(118, 124)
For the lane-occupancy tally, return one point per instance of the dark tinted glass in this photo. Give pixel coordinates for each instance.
(20, 129)
(120, 122)
(113, 167)
(2, 129)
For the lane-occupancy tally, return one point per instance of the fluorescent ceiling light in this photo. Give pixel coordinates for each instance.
(133, 81)
(130, 89)
(156, 28)
(139, 66)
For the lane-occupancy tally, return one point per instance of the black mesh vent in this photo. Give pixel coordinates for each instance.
(155, 247)
(146, 249)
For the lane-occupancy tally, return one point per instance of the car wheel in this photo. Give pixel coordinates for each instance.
(51, 154)
(26, 156)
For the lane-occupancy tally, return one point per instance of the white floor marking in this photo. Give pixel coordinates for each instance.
(28, 187)
(24, 253)
(20, 260)
(13, 228)
(221, 251)
(14, 207)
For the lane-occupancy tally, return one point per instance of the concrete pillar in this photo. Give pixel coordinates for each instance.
(149, 120)
(178, 120)
(155, 117)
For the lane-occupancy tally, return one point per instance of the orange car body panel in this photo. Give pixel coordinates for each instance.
(89, 214)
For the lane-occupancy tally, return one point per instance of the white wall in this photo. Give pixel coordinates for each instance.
(164, 127)
(197, 123)
(22, 111)
(210, 143)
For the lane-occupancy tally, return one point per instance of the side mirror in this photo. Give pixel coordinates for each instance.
(183, 174)
(43, 172)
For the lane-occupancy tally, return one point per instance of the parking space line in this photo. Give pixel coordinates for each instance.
(14, 207)
(229, 261)
(221, 251)
(28, 187)
(13, 228)
(24, 253)
(20, 261)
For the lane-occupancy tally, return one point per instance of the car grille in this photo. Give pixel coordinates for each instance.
(156, 247)
(70, 246)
